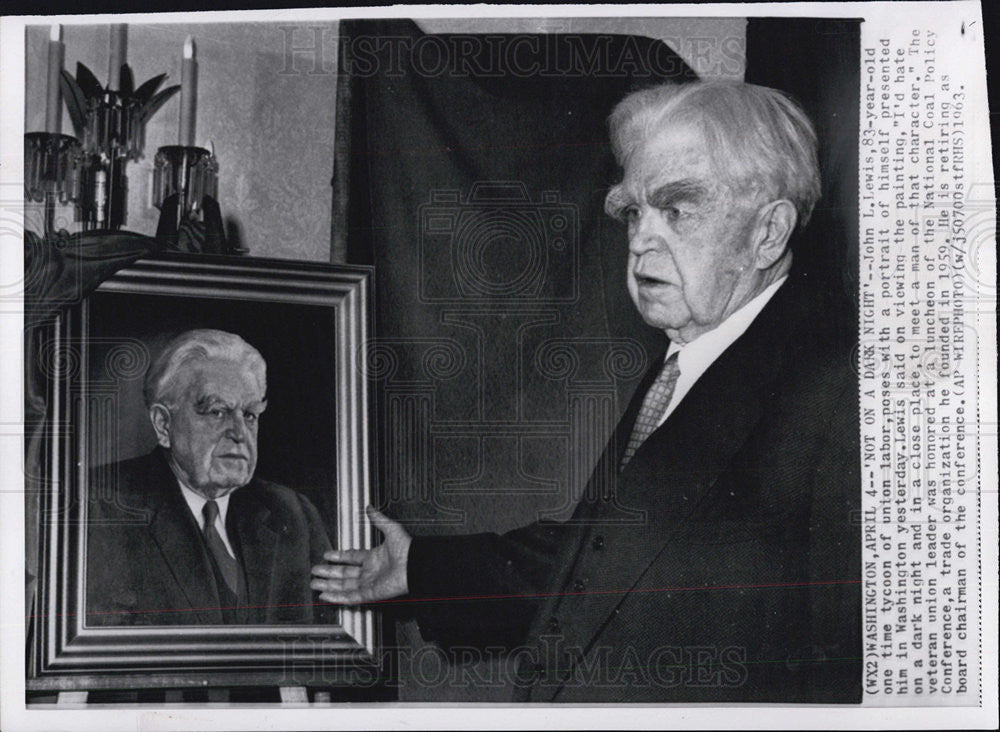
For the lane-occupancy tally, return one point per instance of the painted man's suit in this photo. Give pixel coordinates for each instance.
(147, 563)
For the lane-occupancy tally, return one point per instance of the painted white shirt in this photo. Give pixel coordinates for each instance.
(695, 357)
(196, 503)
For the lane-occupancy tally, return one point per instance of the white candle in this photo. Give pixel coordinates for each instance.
(53, 99)
(116, 56)
(189, 93)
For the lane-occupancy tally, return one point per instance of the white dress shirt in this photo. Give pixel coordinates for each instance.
(196, 502)
(694, 358)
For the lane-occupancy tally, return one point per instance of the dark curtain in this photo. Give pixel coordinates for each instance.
(471, 171)
(817, 60)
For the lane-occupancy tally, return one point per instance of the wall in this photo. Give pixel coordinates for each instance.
(272, 131)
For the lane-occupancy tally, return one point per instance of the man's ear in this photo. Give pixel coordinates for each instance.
(775, 224)
(159, 415)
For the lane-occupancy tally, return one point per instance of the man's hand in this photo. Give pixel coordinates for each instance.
(357, 576)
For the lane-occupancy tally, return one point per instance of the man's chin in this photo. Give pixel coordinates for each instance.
(229, 482)
(656, 318)
(215, 492)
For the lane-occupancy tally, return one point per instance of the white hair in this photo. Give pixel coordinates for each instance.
(161, 383)
(760, 140)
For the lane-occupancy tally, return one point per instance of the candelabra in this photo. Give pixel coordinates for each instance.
(111, 124)
(51, 171)
(89, 170)
(51, 159)
(185, 177)
(187, 172)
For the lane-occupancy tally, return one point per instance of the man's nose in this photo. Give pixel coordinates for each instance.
(237, 429)
(644, 236)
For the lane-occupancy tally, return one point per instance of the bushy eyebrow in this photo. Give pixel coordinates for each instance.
(208, 400)
(679, 191)
(617, 201)
(669, 194)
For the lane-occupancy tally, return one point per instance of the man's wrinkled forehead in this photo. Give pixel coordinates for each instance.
(221, 379)
(669, 157)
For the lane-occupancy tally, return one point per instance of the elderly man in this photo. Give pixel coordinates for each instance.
(186, 535)
(740, 448)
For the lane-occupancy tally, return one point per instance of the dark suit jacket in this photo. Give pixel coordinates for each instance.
(147, 563)
(740, 581)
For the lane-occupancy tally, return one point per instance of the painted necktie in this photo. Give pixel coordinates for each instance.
(223, 559)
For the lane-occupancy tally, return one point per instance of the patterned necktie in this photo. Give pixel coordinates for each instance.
(653, 406)
(223, 559)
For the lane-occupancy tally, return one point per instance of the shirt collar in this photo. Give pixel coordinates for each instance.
(196, 502)
(699, 354)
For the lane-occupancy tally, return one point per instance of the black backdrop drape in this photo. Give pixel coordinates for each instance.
(472, 172)
(817, 60)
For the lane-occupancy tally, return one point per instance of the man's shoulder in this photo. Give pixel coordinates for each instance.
(808, 348)
(269, 490)
(142, 474)
(120, 491)
(276, 497)
(818, 332)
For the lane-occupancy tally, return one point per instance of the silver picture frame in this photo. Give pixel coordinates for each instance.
(68, 653)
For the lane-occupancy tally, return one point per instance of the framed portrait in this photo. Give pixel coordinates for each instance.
(128, 592)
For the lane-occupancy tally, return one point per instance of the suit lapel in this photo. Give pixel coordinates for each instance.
(603, 485)
(671, 473)
(258, 541)
(175, 533)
